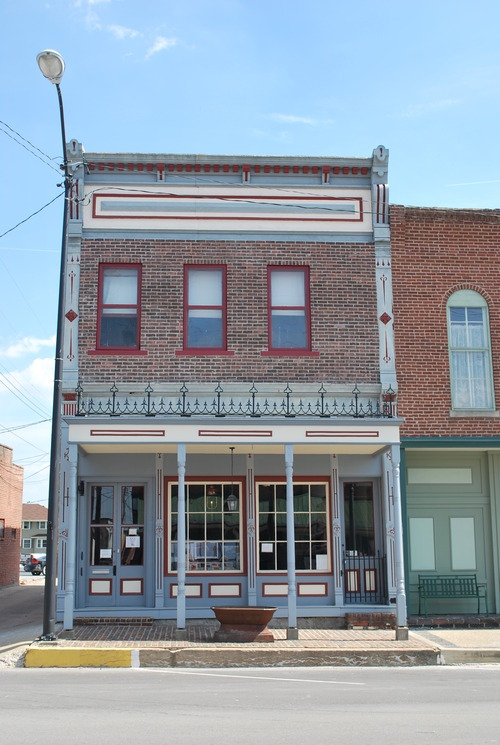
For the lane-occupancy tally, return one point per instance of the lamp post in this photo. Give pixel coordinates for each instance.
(51, 65)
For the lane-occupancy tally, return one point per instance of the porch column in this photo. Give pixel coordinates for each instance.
(251, 543)
(181, 538)
(398, 541)
(337, 533)
(159, 533)
(292, 632)
(69, 597)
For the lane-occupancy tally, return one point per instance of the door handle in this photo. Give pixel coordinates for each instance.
(114, 570)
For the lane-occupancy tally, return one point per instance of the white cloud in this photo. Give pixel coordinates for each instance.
(415, 110)
(36, 380)
(159, 44)
(294, 119)
(28, 345)
(121, 32)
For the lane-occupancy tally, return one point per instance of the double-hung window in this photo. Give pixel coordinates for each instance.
(470, 351)
(289, 316)
(205, 308)
(119, 307)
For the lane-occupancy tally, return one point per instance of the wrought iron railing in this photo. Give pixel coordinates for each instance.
(254, 403)
(365, 578)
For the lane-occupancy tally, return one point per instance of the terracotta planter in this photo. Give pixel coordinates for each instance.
(243, 623)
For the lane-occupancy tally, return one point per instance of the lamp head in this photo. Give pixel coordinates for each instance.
(51, 65)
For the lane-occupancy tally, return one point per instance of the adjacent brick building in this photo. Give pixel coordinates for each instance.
(11, 499)
(447, 325)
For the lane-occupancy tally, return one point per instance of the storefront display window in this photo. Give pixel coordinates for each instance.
(311, 527)
(213, 530)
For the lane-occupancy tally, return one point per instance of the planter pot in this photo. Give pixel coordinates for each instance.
(243, 623)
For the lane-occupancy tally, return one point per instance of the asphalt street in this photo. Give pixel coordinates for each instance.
(445, 705)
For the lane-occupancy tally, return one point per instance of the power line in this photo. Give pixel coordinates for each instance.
(47, 160)
(23, 426)
(8, 381)
(32, 215)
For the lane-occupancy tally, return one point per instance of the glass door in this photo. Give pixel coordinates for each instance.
(115, 565)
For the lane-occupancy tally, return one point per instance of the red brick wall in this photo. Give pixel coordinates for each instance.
(435, 253)
(11, 504)
(343, 312)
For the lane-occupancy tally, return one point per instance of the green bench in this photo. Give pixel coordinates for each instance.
(436, 586)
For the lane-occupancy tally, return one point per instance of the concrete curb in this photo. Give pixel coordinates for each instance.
(77, 657)
(51, 655)
(469, 656)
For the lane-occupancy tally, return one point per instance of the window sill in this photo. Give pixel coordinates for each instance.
(204, 353)
(289, 353)
(476, 413)
(126, 352)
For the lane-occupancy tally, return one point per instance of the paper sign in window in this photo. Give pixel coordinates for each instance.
(132, 541)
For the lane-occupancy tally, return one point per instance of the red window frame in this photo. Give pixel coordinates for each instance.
(101, 306)
(304, 270)
(222, 307)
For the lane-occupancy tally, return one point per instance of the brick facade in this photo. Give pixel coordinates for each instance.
(343, 312)
(436, 252)
(11, 500)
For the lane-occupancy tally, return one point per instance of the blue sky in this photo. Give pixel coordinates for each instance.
(278, 77)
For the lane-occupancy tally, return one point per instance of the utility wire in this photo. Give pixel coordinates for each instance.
(23, 426)
(47, 160)
(32, 215)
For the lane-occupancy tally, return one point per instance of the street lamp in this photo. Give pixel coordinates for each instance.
(51, 65)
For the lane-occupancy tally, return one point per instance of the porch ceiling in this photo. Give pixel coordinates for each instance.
(270, 449)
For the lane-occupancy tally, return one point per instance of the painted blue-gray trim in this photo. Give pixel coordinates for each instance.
(226, 205)
(484, 443)
(240, 236)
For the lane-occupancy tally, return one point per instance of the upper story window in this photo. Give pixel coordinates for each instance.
(42, 525)
(470, 351)
(119, 306)
(205, 308)
(289, 317)
(26, 525)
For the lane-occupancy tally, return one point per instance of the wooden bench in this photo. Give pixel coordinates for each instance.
(437, 586)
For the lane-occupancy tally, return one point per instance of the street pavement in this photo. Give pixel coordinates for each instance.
(109, 645)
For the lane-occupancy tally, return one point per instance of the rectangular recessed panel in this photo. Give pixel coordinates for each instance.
(422, 554)
(440, 475)
(352, 580)
(224, 591)
(131, 587)
(318, 588)
(370, 580)
(463, 543)
(192, 591)
(100, 587)
(270, 588)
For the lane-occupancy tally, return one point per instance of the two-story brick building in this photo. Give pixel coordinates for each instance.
(447, 310)
(11, 499)
(230, 431)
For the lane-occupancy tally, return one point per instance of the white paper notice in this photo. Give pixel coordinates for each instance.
(105, 553)
(132, 541)
(322, 562)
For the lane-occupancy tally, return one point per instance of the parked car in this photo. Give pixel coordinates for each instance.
(35, 564)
